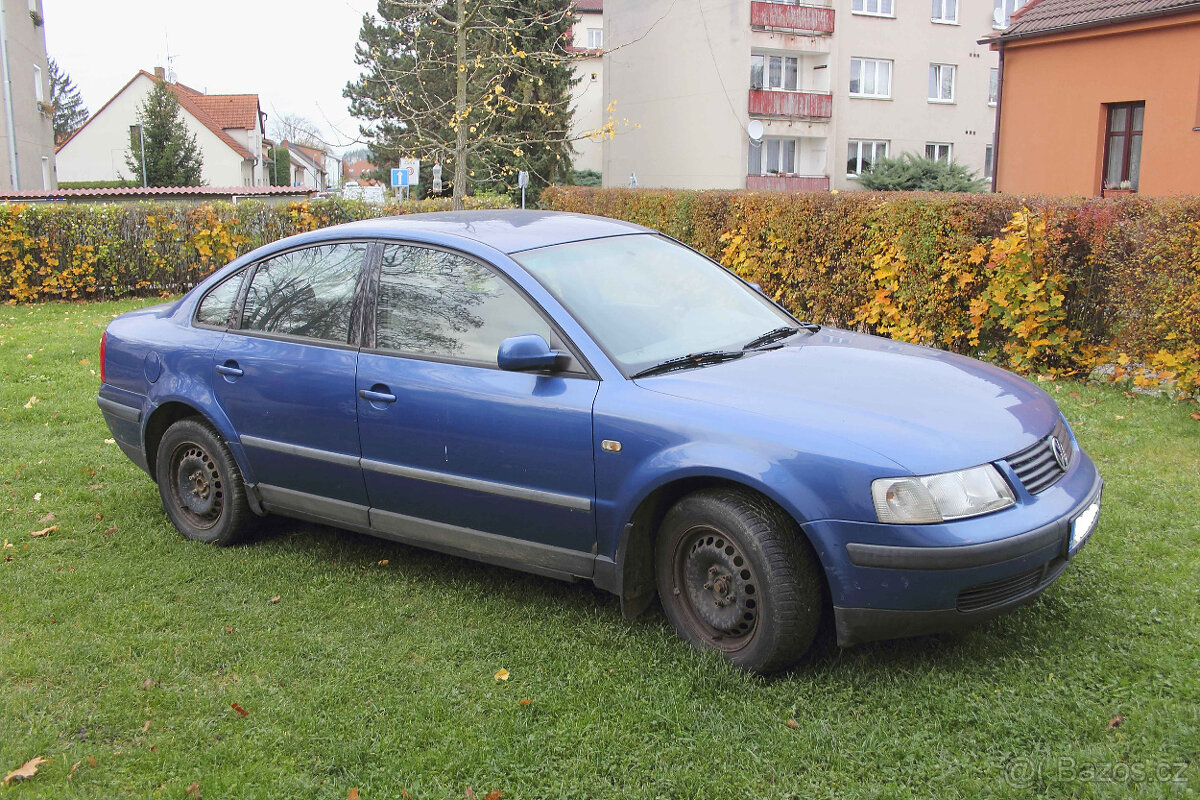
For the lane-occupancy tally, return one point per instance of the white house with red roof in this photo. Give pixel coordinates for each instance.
(587, 45)
(230, 130)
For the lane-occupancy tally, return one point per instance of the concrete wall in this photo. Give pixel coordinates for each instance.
(26, 44)
(1052, 130)
(682, 72)
(588, 96)
(908, 120)
(97, 152)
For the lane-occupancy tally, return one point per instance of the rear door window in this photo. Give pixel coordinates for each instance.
(216, 306)
(308, 292)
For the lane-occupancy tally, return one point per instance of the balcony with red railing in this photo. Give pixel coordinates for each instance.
(791, 17)
(788, 183)
(796, 105)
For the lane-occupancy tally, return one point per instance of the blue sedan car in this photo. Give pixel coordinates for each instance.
(588, 399)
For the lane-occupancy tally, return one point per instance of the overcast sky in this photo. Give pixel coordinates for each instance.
(296, 56)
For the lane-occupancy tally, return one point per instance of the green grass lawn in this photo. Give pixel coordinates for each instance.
(124, 648)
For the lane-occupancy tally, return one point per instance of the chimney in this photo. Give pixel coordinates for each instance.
(160, 73)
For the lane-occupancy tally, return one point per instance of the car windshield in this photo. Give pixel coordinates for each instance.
(646, 299)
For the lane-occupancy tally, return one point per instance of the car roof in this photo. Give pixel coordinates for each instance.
(509, 231)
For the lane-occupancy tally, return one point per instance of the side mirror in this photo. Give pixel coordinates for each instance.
(528, 353)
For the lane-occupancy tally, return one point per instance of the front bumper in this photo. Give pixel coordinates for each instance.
(952, 576)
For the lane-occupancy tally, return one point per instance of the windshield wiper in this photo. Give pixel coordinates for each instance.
(780, 333)
(689, 361)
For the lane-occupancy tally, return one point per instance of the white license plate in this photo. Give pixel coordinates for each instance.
(1082, 527)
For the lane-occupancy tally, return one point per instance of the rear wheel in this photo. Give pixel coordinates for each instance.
(200, 484)
(736, 575)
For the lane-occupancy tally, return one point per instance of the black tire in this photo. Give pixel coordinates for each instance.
(200, 484)
(736, 575)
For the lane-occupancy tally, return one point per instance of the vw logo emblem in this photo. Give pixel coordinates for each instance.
(1060, 453)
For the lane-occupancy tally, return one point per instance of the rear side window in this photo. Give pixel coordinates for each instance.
(308, 292)
(217, 305)
(445, 305)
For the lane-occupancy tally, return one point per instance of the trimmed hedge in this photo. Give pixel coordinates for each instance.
(120, 250)
(1037, 284)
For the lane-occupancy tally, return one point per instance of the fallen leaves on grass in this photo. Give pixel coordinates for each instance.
(37, 497)
(110, 441)
(31, 402)
(383, 563)
(44, 531)
(146, 727)
(1195, 415)
(1115, 722)
(150, 683)
(524, 702)
(791, 723)
(502, 675)
(26, 770)
(110, 531)
(95, 485)
(274, 599)
(241, 711)
(352, 794)
(494, 794)
(47, 519)
(193, 790)
(74, 767)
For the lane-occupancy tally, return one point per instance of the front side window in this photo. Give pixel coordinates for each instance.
(1123, 145)
(945, 11)
(307, 292)
(989, 157)
(595, 38)
(773, 156)
(870, 77)
(882, 8)
(644, 298)
(441, 304)
(1002, 11)
(938, 151)
(993, 86)
(862, 154)
(216, 306)
(941, 83)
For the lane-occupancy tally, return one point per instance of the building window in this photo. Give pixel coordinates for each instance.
(39, 93)
(774, 72)
(1002, 11)
(595, 38)
(870, 77)
(862, 154)
(880, 8)
(989, 156)
(945, 11)
(45, 173)
(941, 83)
(993, 86)
(1123, 145)
(772, 156)
(938, 151)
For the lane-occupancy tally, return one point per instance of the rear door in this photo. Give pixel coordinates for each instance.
(285, 377)
(458, 454)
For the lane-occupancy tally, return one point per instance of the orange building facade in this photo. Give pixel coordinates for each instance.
(1099, 107)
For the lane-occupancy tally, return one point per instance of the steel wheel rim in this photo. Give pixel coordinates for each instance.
(196, 487)
(717, 588)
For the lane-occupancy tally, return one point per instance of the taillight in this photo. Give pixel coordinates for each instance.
(103, 341)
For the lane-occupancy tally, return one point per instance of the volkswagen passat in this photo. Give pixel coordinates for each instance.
(588, 399)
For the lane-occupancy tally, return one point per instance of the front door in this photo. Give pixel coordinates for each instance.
(457, 454)
(285, 378)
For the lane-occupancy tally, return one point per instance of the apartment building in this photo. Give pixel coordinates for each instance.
(751, 94)
(587, 45)
(27, 131)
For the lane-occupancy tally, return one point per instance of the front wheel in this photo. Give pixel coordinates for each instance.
(200, 484)
(736, 575)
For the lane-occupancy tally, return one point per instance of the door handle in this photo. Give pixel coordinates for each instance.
(376, 397)
(231, 369)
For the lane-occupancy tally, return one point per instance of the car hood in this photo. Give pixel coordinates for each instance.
(925, 409)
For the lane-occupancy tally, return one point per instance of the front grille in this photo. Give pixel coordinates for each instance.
(1037, 466)
(1007, 590)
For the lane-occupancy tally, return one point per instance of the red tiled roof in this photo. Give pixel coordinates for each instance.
(592, 6)
(160, 191)
(187, 100)
(1053, 16)
(231, 110)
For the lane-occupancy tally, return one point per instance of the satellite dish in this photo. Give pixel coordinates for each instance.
(755, 129)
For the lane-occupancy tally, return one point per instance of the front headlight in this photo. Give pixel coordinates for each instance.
(937, 498)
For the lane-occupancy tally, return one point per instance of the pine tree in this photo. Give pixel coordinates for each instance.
(69, 111)
(173, 157)
(476, 85)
